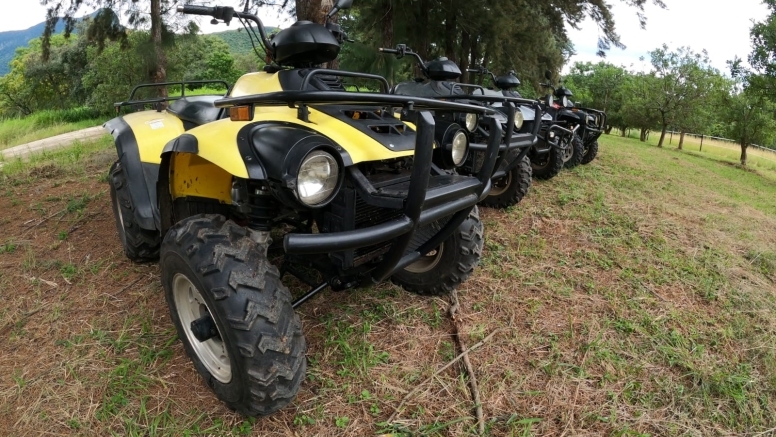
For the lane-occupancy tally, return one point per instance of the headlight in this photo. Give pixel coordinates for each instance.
(459, 148)
(552, 134)
(318, 177)
(471, 122)
(519, 119)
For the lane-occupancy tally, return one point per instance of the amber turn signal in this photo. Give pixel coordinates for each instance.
(240, 113)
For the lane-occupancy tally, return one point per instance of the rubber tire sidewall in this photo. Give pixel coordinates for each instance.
(591, 153)
(139, 244)
(238, 392)
(517, 189)
(460, 255)
(552, 168)
(578, 148)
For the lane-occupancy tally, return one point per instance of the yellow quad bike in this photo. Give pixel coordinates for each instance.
(353, 193)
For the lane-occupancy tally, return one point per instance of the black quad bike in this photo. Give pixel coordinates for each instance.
(588, 124)
(553, 139)
(511, 178)
(353, 194)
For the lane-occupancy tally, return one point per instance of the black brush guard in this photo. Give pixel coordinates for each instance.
(421, 205)
(512, 141)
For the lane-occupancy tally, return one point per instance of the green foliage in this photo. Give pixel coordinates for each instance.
(238, 41)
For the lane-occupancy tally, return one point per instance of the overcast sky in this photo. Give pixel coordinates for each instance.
(719, 26)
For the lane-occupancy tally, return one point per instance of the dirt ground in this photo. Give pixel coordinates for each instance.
(598, 325)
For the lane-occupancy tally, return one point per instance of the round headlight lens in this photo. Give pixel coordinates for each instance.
(519, 119)
(318, 177)
(459, 148)
(471, 122)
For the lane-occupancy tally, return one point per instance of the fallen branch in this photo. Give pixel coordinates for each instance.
(445, 367)
(115, 295)
(473, 388)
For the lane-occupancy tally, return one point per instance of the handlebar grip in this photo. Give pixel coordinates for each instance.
(472, 70)
(389, 51)
(196, 10)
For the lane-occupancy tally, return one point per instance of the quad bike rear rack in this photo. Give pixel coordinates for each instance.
(423, 200)
(158, 100)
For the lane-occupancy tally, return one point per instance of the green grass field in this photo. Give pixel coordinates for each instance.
(717, 149)
(634, 296)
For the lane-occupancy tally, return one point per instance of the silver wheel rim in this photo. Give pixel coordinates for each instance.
(191, 306)
(499, 190)
(426, 262)
(568, 152)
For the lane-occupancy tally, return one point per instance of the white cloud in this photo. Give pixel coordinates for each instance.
(719, 26)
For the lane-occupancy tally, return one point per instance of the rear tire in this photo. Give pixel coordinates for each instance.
(547, 166)
(590, 153)
(578, 152)
(139, 244)
(510, 189)
(442, 270)
(255, 362)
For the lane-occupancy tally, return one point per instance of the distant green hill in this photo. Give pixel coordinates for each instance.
(238, 40)
(11, 40)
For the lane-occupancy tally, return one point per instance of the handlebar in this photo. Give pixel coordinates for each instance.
(196, 10)
(225, 14)
(389, 51)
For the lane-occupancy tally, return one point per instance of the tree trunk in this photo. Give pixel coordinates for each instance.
(622, 131)
(681, 139)
(450, 42)
(465, 43)
(313, 10)
(643, 135)
(159, 74)
(744, 146)
(608, 129)
(662, 136)
(388, 24)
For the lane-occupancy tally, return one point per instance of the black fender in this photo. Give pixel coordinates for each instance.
(141, 176)
(278, 148)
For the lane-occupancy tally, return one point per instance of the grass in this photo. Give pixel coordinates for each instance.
(44, 124)
(717, 149)
(634, 296)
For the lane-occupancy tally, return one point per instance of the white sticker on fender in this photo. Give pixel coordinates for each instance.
(156, 124)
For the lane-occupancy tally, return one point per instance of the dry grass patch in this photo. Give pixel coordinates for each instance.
(633, 296)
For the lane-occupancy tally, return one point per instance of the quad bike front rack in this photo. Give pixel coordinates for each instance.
(420, 201)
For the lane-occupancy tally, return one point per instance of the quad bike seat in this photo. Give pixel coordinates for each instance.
(426, 89)
(196, 110)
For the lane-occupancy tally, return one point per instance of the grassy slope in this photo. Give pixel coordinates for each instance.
(636, 296)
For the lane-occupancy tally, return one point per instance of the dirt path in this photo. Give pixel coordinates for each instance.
(55, 142)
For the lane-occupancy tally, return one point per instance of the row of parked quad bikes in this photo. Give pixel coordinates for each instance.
(290, 175)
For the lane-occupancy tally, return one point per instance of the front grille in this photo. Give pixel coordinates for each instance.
(348, 211)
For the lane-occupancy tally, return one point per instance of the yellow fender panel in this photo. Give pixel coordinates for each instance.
(191, 175)
(153, 130)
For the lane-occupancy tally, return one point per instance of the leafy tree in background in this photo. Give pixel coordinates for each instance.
(106, 26)
(681, 82)
(599, 86)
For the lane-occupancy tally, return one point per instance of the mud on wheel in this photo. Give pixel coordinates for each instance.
(441, 270)
(233, 314)
(510, 189)
(139, 244)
